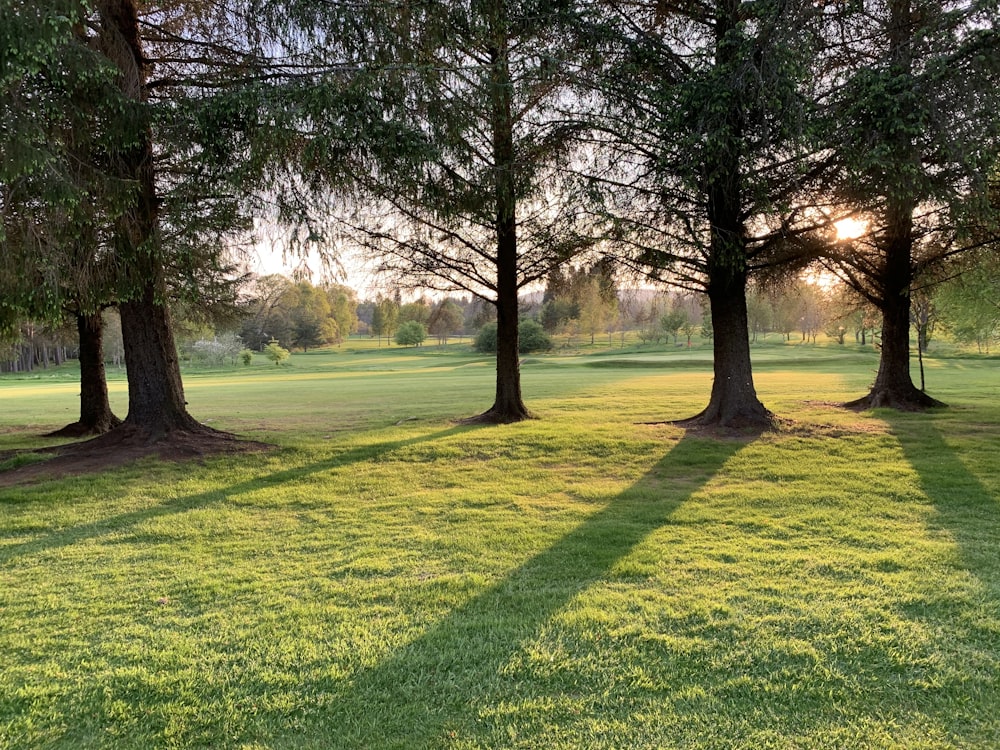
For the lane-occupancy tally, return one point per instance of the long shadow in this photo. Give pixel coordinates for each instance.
(116, 523)
(968, 616)
(966, 508)
(438, 683)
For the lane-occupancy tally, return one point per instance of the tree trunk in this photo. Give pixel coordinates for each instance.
(156, 402)
(508, 405)
(96, 416)
(156, 395)
(893, 387)
(734, 401)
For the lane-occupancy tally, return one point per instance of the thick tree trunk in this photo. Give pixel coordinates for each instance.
(156, 402)
(893, 387)
(734, 402)
(508, 405)
(96, 416)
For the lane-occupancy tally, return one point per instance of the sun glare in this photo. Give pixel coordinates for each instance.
(850, 229)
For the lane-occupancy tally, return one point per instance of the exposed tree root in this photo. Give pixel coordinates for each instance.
(909, 399)
(495, 416)
(80, 430)
(750, 421)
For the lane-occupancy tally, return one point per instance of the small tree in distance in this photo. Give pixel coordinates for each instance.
(411, 333)
(276, 352)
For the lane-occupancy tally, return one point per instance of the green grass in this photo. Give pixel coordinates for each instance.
(389, 579)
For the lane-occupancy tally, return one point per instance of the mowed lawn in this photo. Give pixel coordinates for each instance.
(596, 578)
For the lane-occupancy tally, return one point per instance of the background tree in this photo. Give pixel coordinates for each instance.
(595, 311)
(276, 352)
(267, 313)
(446, 319)
(388, 317)
(673, 320)
(411, 333)
(311, 319)
(419, 311)
(969, 304)
(343, 309)
(758, 313)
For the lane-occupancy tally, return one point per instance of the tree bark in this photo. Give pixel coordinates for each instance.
(508, 405)
(96, 416)
(893, 387)
(734, 402)
(156, 402)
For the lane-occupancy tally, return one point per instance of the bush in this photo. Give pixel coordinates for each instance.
(216, 351)
(486, 339)
(275, 352)
(411, 333)
(246, 357)
(531, 338)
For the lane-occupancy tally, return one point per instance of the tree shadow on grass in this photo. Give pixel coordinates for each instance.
(966, 612)
(114, 524)
(967, 509)
(433, 689)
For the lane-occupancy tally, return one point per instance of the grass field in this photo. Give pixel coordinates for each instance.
(595, 578)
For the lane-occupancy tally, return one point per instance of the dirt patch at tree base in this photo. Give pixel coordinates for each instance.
(120, 447)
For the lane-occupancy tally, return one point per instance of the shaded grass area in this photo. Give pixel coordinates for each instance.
(578, 581)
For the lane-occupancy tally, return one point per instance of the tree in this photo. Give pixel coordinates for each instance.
(343, 309)
(446, 318)
(471, 192)
(758, 313)
(276, 352)
(673, 320)
(419, 311)
(916, 127)
(388, 317)
(969, 304)
(710, 163)
(150, 232)
(310, 314)
(594, 311)
(533, 338)
(411, 333)
(267, 311)
(56, 203)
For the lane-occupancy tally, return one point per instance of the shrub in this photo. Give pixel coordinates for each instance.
(246, 357)
(275, 352)
(531, 338)
(217, 350)
(486, 339)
